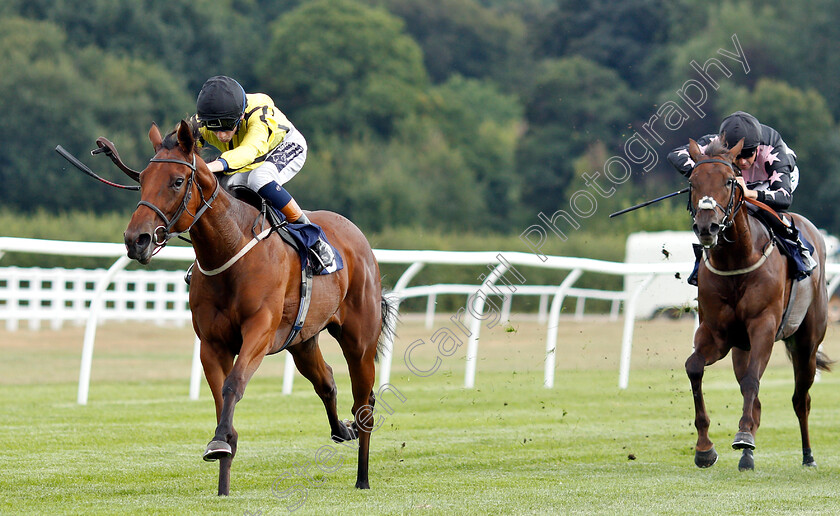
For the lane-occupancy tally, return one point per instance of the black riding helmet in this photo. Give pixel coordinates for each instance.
(741, 125)
(220, 103)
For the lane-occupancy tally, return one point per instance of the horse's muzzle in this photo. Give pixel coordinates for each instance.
(707, 233)
(139, 248)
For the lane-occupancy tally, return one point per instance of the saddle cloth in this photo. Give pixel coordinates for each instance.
(305, 235)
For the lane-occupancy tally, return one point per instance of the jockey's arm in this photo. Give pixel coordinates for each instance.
(776, 192)
(681, 160)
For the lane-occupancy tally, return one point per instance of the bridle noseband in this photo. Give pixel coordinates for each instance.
(163, 239)
(709, 203)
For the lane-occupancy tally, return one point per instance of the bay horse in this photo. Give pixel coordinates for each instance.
(743, 290)
(247, 311)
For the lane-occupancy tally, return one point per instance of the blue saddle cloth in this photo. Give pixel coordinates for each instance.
(306, 235)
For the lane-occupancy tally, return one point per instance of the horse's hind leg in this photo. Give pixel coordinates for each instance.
(311, 364)
(358, 342)
(804, 360)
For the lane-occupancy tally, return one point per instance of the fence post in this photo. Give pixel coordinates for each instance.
(388, 341)
(627, 338)
(475, 323)
(553, 324)
(96, 305)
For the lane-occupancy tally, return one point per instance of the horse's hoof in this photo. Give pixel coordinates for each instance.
(705, 459)
(808, 458)
(743, 440)
(747, 463)
(362, 484)
(217, 450)
(348, 432)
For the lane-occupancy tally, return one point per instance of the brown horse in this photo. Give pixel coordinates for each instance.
(743, 291)
(249, 308)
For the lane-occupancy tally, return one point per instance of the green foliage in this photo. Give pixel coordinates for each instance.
(805, 123)
(476, 113)
(460, 37)
(353, 70)
(70, 98)
(622, 36)
(575, 103)
(483, 125)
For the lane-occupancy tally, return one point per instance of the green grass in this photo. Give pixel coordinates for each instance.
(507, 447)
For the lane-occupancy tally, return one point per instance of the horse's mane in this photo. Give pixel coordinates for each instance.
(718, 147)
(170, 141)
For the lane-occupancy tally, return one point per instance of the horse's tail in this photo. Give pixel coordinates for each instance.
(390, 316)
(823, 362)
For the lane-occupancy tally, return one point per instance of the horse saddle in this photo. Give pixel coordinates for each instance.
(300, 236)
(783, 231)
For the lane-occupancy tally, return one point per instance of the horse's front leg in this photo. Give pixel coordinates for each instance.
(749, 368)
(217, 363)
(705, 353)
(256, 340)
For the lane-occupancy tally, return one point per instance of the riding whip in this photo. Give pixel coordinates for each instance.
(646, 203)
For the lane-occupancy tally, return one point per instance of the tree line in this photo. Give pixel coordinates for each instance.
(443, 114)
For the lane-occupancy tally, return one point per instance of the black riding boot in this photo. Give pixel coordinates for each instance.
(320, 251)
(793, 242)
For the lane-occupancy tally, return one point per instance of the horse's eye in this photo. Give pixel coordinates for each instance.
(178, 182)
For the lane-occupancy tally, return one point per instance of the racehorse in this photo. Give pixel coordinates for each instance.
(247, 306)
(743, 291)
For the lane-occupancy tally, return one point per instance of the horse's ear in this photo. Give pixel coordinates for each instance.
(185, 137)
(155, 137)
(734, 151)
(694, 150)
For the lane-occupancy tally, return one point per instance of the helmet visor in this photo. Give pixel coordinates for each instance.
(221, 124)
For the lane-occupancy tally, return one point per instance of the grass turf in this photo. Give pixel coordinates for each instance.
(509, 446)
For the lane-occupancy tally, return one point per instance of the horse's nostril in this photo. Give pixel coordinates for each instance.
(695, 228)
(714, 228)
(143, 241)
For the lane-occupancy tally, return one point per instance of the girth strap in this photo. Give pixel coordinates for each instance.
(305, 298)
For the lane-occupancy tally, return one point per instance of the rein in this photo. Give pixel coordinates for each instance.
(161, 241)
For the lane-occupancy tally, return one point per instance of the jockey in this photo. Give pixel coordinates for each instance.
(768, 174)
(260, 148)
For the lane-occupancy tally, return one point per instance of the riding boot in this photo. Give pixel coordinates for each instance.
(698, 254)
(799, 252)
(320, 250)
(809, 261)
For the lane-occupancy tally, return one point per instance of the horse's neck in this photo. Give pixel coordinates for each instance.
(739, 246)
(222, 230)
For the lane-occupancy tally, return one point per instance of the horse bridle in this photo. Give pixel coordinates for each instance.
(709, 203)
(161, 241)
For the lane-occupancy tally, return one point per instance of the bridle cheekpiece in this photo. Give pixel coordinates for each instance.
(162, 238)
